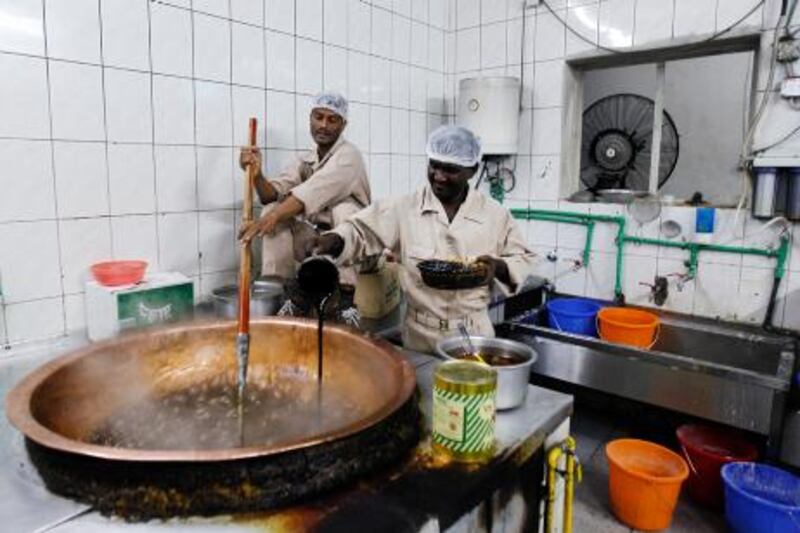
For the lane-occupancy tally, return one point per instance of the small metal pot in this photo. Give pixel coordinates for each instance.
(512, 380)
(266, 298)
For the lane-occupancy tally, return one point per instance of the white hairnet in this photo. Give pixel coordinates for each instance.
(332, 101)
(454, 145)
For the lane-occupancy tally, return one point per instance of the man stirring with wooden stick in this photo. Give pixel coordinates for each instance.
(442, 220)
(320, 188)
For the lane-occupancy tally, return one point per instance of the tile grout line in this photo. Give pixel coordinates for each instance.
(55, 180)
(263, 118)
(153, 160)
(194, 136)
(245, 23)
(409, 64)
(231, 183)
(183, 76)
(104, 96)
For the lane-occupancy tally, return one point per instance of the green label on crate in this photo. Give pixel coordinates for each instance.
(155, 306)
(463, 423)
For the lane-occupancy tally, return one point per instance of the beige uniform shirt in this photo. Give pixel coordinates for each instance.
(322, 184)
(415, 227)
(331, 189)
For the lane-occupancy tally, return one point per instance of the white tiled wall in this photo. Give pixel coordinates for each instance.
(119, 122)
(731, 287)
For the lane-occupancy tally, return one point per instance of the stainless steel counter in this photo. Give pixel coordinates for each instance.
(729, 373)
(25, 505)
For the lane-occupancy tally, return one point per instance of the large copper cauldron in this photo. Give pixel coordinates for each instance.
(61, 404)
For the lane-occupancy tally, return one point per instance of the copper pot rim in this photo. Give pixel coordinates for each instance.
(19, 413)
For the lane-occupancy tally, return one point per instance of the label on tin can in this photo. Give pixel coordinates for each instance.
(463, 423)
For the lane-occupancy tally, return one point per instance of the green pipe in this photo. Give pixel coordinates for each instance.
(548, 217)
(783, 255)
(536, 214)
(587, 247)
(695, 248)
(703, 247)
(618, 295)
(588, 219)
(694, 255)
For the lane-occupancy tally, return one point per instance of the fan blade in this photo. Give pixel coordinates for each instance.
(643, 121)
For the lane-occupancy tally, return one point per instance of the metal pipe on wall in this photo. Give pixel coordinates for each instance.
(587, 219)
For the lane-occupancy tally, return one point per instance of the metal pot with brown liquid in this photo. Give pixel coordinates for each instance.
(144, 425)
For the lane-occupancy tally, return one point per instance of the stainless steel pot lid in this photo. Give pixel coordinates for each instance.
(261, 288)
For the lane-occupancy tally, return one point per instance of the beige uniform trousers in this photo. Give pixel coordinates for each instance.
(331, 189)
(281, 251)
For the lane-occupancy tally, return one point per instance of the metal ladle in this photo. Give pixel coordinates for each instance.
(468, 341)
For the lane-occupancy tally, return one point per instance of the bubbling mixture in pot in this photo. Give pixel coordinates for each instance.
(205, 417)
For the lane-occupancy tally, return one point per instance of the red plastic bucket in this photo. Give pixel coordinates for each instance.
(706, 450)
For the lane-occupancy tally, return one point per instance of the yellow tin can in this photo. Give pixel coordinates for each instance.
(464, 410)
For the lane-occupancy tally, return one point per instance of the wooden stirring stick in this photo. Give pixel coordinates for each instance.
(245, 263)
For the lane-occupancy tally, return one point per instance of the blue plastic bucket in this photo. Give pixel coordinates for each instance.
(573, 315)
(761, 498)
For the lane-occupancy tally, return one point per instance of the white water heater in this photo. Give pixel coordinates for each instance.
(490, 108)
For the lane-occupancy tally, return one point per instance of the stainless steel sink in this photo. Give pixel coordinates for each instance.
(728, 373)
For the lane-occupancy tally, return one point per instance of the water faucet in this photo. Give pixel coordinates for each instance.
(659, 290)
(681, 279)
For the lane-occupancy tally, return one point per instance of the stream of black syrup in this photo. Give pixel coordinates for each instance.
(318, 278)
(320, 325)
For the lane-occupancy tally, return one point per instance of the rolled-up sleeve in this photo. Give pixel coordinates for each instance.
(370, 231)
(521, 261)
(330, 184)
(289, 178)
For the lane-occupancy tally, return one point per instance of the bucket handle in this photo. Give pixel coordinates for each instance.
(555, 321)
(656, 336)
(689, 460)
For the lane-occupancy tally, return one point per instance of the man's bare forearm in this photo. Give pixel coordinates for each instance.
(266, 192)
(289, 208)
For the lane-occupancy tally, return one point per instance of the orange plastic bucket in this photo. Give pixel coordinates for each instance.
(628, 326)
(644, 482)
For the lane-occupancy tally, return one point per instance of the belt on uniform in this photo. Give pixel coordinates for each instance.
(442, 324)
